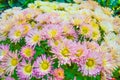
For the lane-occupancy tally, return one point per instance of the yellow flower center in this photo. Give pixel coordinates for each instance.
(65, 52)
(76, 22)
(79, 52)
(90, 62)
(95, 35)
(52, 33)
(14, 62)
(28, 68)
(44, 65)
(17, 33)
(36, 38)
(85, 30)
(27, 52)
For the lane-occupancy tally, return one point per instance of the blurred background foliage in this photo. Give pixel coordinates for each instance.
(5, 4)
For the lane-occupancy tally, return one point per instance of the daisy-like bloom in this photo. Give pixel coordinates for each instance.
(85, 30)
(95, 34)
(27, 52)
(4, 49)
(42, 66)
(9, 62)
(33, 37)
(24, 70)
(108, 64)
(80, 51)
(91, 64)
(58, 74)
(53, 31)
(64, 51)
(16, 33)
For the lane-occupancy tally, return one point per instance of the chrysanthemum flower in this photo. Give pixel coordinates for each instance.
(27, 52)
(64, 51)
(58, 74)
(85, 30)
(91, 65)
(42, 66)
(80, 51)
(33, 37)
(24, 70)
(108, 64)
(95, 34)
(9, 62)
(16, 33)
(4, 49)
(53, 31)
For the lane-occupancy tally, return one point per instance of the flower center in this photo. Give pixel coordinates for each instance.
(90, 62)
(17, 33)
(14, 62)
(52, 33)
(65, 52)
(44, 65)
(28, 68)
(36, 38)
(84, 30)
(27, 52)
(77, 22)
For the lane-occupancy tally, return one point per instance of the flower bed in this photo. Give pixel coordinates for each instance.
(59, 41)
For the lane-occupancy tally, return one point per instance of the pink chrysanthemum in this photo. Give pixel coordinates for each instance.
(64, 51)
(42, 66)
(85, 30)
(58, 74)
(24, 70)
(91, 64)
(108, 64)
(52, 31)
(16, 33)
(27, 52)
(80, 51)
(4, 49)
(9, 62)
(33, 37)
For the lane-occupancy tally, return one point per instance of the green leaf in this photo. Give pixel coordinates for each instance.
(14, 75)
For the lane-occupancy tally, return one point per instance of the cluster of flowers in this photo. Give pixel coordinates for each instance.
(86, 34)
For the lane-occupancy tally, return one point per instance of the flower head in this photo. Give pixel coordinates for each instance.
(9, 62)
(4, 49)
(91, 65)
(24, 70)
(33, 37)
(27, 52)
(16, 33)
(42, 66)
(58, 74)
(64, 51)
